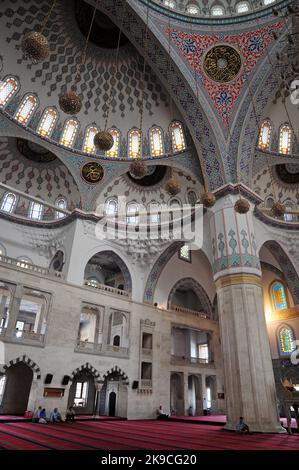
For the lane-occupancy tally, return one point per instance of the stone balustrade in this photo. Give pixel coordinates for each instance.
(176, 308)
(29, 267)
(145, 383)
(109, 289)
(193, 361)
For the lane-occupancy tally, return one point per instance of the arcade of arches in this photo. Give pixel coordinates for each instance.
(94, 312)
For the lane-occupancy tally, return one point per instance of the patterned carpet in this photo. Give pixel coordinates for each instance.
(134, 435)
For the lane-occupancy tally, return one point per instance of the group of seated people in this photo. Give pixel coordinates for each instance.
(40, 415)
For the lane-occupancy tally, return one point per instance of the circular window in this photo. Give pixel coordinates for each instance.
(222, 63)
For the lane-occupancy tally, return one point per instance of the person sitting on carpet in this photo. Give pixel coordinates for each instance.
(36, 414)
(161, 414)
(55, 416)
(242, 427)
(70, 414)
(42, 416)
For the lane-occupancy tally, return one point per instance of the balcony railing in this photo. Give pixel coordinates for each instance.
(87, 346)
(29, 267)
(145, 383)
(112, 290)
(290, 218)
(188, 360)
(117, 349)
(29, 335)
(21, 210)
(176, 308)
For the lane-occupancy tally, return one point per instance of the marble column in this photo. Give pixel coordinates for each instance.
(249, 380)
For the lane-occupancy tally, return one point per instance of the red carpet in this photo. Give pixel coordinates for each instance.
(219, 420)
(134, 435)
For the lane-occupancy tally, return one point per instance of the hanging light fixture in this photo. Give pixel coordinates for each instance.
(103, 140)
(242, 206)
(173, 185)
(35, 45)
(208, 199)
(70, 102)
(278, 209)
(138, 168)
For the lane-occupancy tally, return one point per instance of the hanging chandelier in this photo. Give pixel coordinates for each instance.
(70, 102)
(138, 168)
(208, 199)
(35, 45)
(242, 206)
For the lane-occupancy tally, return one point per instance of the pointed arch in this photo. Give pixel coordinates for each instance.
(197, 289)
(86, 367)
(116, 370)
(27, 361)
(289, 272)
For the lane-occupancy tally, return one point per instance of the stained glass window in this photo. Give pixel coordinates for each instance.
(8, 202)
(113, 152)
(111, 207)
(69, 132)
(265, 134)
(132, 214)
(279, 296)
(242, 7)
(36, 211)
(7, 90)
(48, 122)
(217, 10)
(192, 9)
(177, 136)
(134, 144)
(89, 146)
(26, 109)
(156, 142)
(62, 204)
(286, 340)
(285, 139)
(169, 3)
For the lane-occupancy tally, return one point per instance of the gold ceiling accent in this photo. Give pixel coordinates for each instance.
(222, 63)
(92, 172)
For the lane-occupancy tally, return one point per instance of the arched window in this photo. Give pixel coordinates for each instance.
(113, 152)
(26, 109)
(48, 122)
(69, 132)
(217, 10)
(177, 137)
(62, 204)
(268, 2)
(8, 202)
(279, 296)
(134, 143)
(242, 7)
(156, 142)
(192, 197)
(132, 213)
(192, 9)
(265, 134)
(36, 210)
(89, 146)
(169, 3)
(285, 139)
(154, 210)
(286, 340)
(111, 207)
(7, 90)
